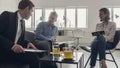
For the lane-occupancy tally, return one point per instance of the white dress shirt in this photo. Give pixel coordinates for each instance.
(19, 30)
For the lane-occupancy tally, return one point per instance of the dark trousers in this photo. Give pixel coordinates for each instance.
(23, 58)
(26, 58)
(98, 47)
(48, 64)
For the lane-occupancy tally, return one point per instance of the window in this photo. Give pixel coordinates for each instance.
(60, 20)
(67, 17)
(38, 17)
(116, 16)
(28, 23)
(81, 18)
(70, 18)
(47, 13)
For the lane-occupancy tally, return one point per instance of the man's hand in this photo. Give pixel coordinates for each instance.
(30, 45)
(18, 48)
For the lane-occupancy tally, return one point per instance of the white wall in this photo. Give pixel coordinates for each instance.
(93, 8)
(8, 5)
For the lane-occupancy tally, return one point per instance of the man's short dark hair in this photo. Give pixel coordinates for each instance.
(25, 3)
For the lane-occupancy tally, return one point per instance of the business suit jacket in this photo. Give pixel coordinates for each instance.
(8, 29)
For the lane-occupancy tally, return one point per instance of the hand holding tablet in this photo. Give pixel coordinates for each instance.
(98, 33)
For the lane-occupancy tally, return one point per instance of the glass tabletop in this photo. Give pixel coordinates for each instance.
(59, 58)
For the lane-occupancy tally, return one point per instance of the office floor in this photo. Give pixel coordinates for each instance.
(86, 55)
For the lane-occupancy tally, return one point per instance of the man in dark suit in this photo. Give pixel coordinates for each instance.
(12, 30)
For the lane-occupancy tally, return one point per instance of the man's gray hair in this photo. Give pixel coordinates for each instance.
(54, 13)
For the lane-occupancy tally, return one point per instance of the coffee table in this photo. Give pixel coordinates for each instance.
(78, 59)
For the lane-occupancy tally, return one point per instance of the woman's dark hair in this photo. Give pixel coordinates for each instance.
(25, 3)
(106, 11)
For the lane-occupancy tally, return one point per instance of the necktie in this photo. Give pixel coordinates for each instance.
(21, 38)
(22, 26)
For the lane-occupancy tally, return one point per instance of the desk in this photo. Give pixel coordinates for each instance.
(78, 59)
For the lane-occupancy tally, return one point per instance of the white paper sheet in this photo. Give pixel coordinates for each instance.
(32, 50)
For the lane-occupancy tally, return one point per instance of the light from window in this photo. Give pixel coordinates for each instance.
(82, 18)
(38, 16)
(28, 23)
(60, 20)
(116, 16)
(70, 18)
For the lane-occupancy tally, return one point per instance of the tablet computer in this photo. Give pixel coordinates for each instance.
(98, 33)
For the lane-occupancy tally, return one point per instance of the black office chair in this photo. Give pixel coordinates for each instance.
(110, 51)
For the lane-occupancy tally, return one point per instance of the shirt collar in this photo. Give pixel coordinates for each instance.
(50, 24)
